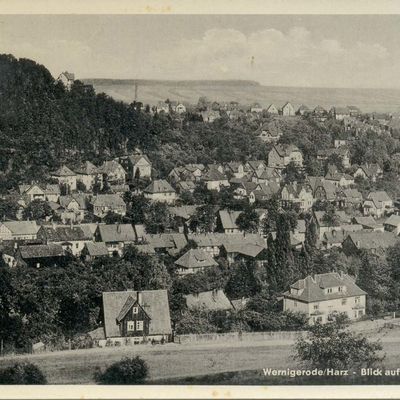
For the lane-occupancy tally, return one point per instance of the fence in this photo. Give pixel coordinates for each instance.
(238, 336)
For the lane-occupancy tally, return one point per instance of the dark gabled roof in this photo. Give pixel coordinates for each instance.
(96, 249)
(79, 198)
(87, 168)
(130, 301)
(393, 220)
(285, 150)
(41, 251)
(159, 186)
(196, 258)
(246, 249)
(154, 303)
(212, 300)
(214, 175)
(110, 166)
(373, 240)
(63, 233)
(312, 289)
(63, 171)
(108, 200)
(117, 233)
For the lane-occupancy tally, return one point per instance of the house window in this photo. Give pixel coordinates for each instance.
(339, 289)
(295, 303)
(329, 290)
(357, 300)
(131, 325)
(135, 310)
(316, 306)
(344, 302)
(139, 325)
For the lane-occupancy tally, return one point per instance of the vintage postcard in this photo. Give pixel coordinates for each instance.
(199, 201)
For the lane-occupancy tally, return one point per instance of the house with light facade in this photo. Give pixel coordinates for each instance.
(322, 296)
(282, 155)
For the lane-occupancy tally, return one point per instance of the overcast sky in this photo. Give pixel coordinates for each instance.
(315, 51)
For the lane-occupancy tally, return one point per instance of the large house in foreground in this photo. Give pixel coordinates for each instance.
(323, 295)
(139, 315)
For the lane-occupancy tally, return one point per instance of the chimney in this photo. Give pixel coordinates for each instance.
(139, 298)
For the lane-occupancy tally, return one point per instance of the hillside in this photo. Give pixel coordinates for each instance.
(247, 92)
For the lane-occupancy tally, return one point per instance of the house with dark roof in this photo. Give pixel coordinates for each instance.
(369, 171)
(88, 174)
(39, 192)
(324, 225)
(213, 300)
(71, 238)
(235, 251)
(73, 207)
(297, 195)
(282, 155)
(264, 192)
(235, 168)
(116, 237)
(378, 204)
(142, 316)
(113, 172)
(137, 165)
(349, 197)
(40, 255)
(65, 177)
(185, 186)
(93, 250)
(160, 190)
(182, 216)
(170, 243)
(322, 296)
(339, 113)
(194, 260)
(215, 179)
(105, 203)
(266, 175)
(375, 242)
(303, 110)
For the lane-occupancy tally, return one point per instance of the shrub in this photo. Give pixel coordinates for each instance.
(128, 371)
(22, 374)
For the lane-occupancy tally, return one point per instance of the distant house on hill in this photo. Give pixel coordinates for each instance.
(137, 165)
(67, 79)
(288, 110)
(303, 110)
(322, 296)
(65, 177)
(256, 108)
(113, 172)
(160, 190)
(194, 260)
(39, 192)
(140, 315)
(339, 113)
(272, 109)
(210, 115)
(88, 174)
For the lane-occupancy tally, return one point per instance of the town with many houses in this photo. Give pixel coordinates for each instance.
(81, 206)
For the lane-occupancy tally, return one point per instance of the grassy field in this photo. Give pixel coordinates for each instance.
(213, 363)
(150, 92)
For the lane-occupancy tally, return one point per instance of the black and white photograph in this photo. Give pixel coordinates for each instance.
(200, 200)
